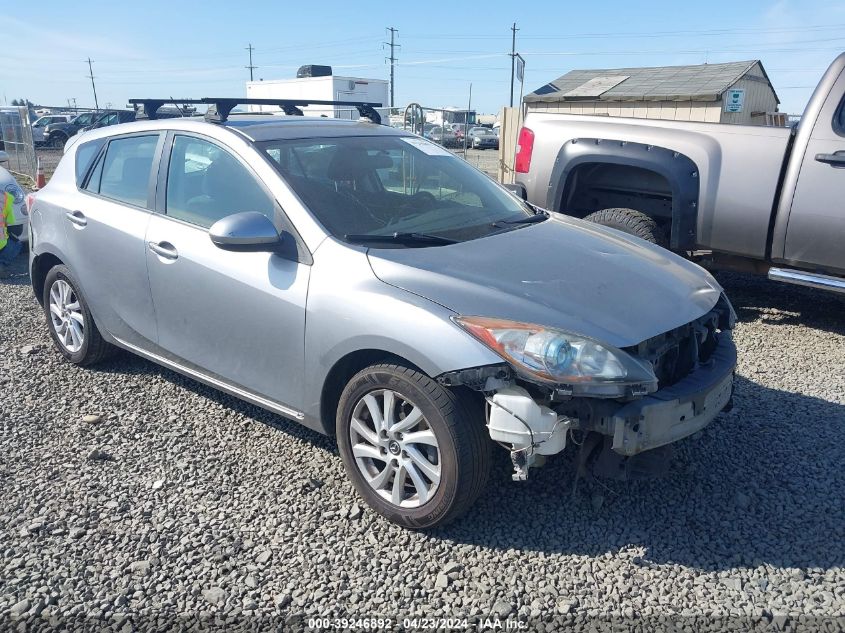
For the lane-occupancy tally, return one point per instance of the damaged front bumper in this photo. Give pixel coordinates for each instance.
(676, 412)
(533, 423)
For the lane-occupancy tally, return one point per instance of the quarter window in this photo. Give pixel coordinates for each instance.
(205, 183)
(84, 155)
(126, 170)
(839, 119)
(96, 175)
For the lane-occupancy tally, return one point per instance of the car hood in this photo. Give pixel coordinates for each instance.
(563, 273)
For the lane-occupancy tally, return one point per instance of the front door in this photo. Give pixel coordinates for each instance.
(239, 317)
(815, 233)
(106, 223)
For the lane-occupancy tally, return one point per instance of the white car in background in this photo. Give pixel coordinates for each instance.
(8, 184)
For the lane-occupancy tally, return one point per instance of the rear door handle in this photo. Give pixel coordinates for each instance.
(76, 217)
(165, 250)
(837, 159)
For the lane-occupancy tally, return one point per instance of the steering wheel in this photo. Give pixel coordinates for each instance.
(424, 199)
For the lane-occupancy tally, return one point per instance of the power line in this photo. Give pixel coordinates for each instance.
(393, 60)
(710, 32)
(251, 67)
(93, 87)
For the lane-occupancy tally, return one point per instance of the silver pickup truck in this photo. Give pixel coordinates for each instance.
(762, 199)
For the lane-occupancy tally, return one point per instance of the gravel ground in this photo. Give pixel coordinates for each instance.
(49, 158)
(175, 504)
(487, 160)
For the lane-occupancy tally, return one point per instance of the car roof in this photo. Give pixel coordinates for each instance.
(259, 127)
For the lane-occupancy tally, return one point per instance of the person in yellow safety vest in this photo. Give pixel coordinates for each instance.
(10, 247)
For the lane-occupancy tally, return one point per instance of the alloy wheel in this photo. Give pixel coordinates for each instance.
(66, 316)
(395, 448)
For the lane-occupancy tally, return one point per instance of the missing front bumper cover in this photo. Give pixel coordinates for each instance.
(530, 428)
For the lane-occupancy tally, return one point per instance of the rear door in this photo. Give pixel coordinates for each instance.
(106, 221)
(815, 233)
(239, 317)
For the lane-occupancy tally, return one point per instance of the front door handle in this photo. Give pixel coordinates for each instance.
(165, 250)
(76, 217)
(837, 159)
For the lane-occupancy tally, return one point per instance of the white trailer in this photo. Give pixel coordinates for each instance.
(329, 88)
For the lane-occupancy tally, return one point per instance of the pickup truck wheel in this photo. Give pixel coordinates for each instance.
(414, 449)
(630, 221)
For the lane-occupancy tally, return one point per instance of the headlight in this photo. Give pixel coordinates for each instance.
(16, 192)
(560, 357)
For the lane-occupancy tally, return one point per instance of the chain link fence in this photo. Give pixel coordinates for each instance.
(16, 130)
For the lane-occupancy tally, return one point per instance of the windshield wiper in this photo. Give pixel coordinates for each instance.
(528, 219)
(401, 238)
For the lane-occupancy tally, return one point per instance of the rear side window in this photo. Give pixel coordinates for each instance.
(125, 170)
(84, 156)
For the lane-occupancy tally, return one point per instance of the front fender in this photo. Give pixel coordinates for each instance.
(350, 310)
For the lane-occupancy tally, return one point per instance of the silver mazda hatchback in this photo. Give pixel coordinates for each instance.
(372, 285)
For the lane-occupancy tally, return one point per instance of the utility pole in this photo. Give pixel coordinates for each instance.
(251, 67)
(513, 57)
(93, 87)
(393, 60)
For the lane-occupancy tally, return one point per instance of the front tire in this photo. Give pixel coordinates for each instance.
(632, 222)
(414, 450)
(57, 141)
(69, 319)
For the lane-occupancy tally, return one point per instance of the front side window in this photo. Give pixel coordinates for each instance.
(381, 185)
(205, 183)
(126, 169)
(83, 119)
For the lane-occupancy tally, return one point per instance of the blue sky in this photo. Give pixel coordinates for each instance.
(194, 49)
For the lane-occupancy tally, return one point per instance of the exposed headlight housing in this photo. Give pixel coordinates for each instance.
(585, 366)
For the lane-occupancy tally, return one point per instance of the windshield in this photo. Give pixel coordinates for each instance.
(381, 185)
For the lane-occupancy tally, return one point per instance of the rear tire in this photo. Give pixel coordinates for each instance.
(632, 222)
(456, 448)
(69, 319)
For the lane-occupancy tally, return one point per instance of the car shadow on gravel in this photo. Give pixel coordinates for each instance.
(755, 298)
(762, 485)
(127, 363)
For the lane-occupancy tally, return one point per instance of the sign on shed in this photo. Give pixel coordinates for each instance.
(734, 100)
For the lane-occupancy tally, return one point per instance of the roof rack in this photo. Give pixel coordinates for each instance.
(148, 108)
(219, 108)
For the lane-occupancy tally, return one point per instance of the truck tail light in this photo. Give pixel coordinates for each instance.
(524, 148)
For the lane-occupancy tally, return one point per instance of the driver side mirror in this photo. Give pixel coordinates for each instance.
(249, 231)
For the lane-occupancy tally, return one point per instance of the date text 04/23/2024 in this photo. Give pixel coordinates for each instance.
(492, 623)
